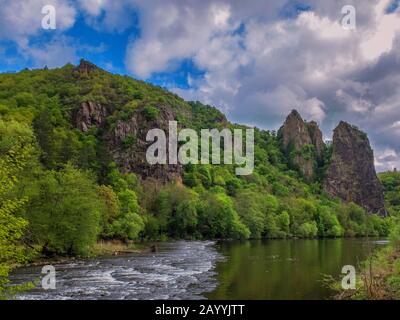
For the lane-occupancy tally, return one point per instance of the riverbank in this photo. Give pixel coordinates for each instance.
(378, 277)
(102, 249)
(115, 248)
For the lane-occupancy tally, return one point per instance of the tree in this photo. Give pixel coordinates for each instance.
(328, 223)
(111, 208)
(302, 213)
(176, 209)
(307, 230)
(249, 205)
(64, 212)
(283, 221)
(219, 219)
(126, 223)
(13, 158)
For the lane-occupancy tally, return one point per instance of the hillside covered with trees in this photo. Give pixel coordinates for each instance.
(72, 173)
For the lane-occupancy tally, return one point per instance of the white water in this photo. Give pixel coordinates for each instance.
(179, 270)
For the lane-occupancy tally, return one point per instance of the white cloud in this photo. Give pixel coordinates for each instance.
(387, 159)
(53, 54)
(181, 31)
(20, 19)
(273, 65)
(380, 38)
(354, 104)
(93, 7)
(256, 65)
(108, 15)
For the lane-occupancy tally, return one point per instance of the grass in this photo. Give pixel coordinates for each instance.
(378, 278)
(116, 247)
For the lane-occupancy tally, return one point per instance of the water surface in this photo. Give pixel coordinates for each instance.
(285, 269)
(269, 269)
(179, 270)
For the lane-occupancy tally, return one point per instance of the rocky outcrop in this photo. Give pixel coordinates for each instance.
(302, 142)
(125, 140)
(316, 138)
(89, 114)
(86, 67)
(351, 174)
(127, 144)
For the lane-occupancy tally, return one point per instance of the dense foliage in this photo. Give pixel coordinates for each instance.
(14, 155)
(61, 192)
(378, 277)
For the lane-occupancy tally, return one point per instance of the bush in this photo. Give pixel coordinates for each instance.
(307, 230)
(150, 112)
(129, 141)
(329, 225)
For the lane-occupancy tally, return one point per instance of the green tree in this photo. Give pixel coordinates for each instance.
(308, 230)
(64, 212)
(328, 223)
(249, 205)
(15, 151)
(219, 219)
(127, 223)
(176, 209)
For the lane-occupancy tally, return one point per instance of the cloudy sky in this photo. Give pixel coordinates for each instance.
(255, 60)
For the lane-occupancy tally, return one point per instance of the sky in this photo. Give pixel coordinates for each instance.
(255, 60)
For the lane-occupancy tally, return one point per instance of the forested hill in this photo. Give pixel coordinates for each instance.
(73, 171)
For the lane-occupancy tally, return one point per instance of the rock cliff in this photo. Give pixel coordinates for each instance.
(351, 174)
(127, 144)
(302, 142)
(90, 114)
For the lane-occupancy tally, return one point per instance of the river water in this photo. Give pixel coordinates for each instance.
(270, 269)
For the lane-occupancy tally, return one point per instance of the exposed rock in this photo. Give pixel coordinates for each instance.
(316, 137)
(89, 114)
(296, 135)
(132, 157)
(86, 67)
(351, 174)
(294, 131)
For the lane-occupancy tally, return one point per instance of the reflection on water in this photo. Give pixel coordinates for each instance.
(285, 269)
(270, 269)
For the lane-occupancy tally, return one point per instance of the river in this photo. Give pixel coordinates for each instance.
(265, 269)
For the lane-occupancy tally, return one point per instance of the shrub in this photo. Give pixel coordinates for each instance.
(150, 112)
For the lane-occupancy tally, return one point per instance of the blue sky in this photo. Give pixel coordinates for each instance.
(255, 60)
(107, 48)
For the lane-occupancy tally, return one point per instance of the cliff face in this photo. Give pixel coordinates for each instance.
(90, 114)
(125, 141)
(302, 142)
(351, 174)
(127, 144)
(316, 138)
